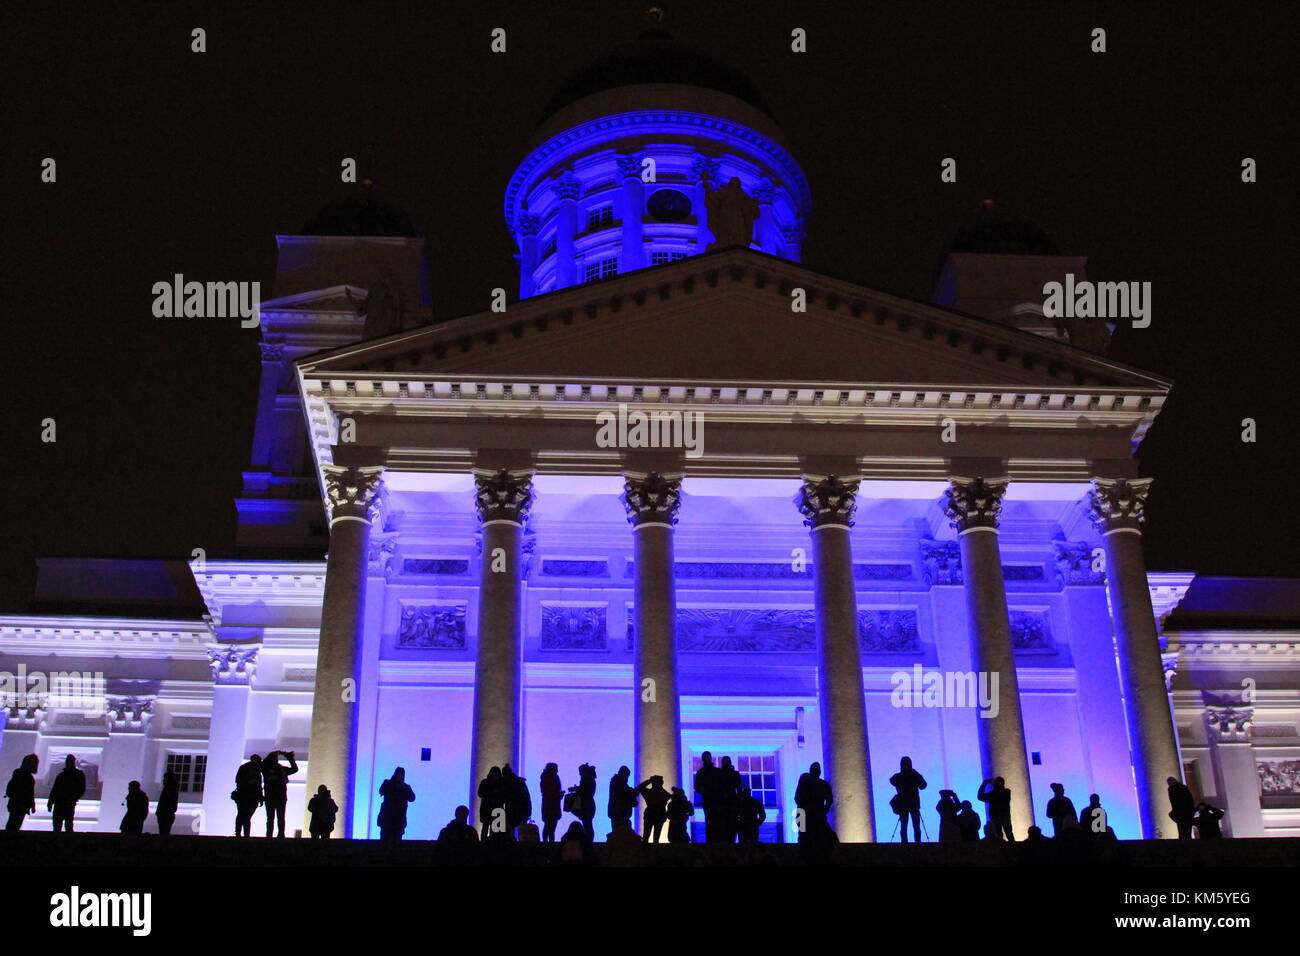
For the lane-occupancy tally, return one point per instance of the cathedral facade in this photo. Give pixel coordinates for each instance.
(675, 493)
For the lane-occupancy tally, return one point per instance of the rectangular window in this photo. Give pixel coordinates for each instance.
(602, 217)
(602, 269)
(662, 258)
(758, 772)
(190, 770)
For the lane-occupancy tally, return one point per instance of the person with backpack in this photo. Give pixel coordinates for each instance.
(622, 800)
(323, 812)
(581, 801)
(392, 812)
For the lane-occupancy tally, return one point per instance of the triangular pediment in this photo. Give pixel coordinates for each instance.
(339, 298)
(728, 316)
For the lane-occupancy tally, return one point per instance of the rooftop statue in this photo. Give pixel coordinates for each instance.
(732, 213)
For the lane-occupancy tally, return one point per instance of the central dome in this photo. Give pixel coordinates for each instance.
(655, 57)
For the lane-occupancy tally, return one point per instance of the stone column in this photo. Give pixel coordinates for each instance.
(652, 501)
(264, 429)
(973, 506)
(1116, 508)
(233, 667)
(567, 190)
(503, 499)
(770, 239)
(632, 199)
(528, 225)
(827, 504)
(354, 495)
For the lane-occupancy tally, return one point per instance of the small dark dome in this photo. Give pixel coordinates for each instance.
(360, 213)
(993, 231)
(655, 57)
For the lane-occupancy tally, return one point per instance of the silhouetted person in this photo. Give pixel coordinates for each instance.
(709, 787)
(491, 798)
(392, 812)
(169, 797)
(247, 794)
(622, 799)
(680, 809)
(583, 803)
(997, 797)
(947, 808)
(968, 823)
(751, 814)
(1093, 818)
(1182, 807)
(137, 809)
(1207, 821)
(573, 845)
(907, 801)
(458, 832)
(519, 802)
(21, 792)
(69, 787)
(656, 808)
(729, 784)
(458, 838)
(1035, 836)
(275, 787)
(552, 797)
(814, 797)
(1060, 810)
(324, 811)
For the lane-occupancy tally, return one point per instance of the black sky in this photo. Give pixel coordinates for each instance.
(170, 161)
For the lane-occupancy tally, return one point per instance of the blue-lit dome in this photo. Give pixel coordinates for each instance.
(624, 164)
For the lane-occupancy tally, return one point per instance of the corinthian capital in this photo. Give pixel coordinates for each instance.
(826, 500)
(503, 495)
(1229, 724)
(567, 187)
(353, 492)
(652, 498)
(1118, 504)
(629, 166)
(974, 502)
(528, 224)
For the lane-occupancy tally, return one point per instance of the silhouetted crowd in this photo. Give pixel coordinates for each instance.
(732, 813)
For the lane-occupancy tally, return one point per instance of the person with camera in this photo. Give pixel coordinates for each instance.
(906, 803)
(275, 788)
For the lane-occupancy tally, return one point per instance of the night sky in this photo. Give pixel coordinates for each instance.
(171, 161)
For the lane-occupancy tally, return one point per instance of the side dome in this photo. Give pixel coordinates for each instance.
(360, 213)
(993, 231)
